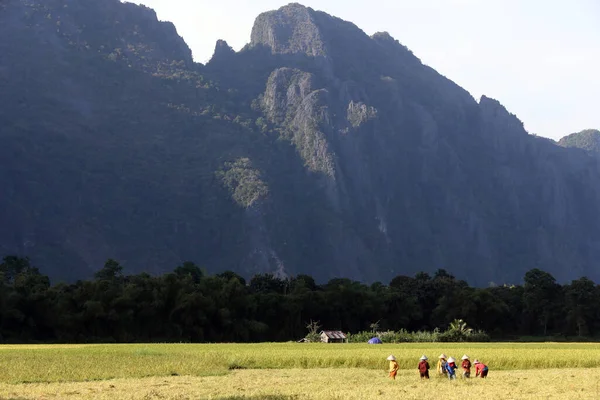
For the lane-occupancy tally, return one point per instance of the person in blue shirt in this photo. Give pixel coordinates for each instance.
(451, 368)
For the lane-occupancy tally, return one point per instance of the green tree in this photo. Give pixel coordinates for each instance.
(191, 270)
(541, 297)
(12, 266)
(460, 327)
(112, 270)
(581, 302)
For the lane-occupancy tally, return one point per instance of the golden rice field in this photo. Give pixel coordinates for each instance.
(292, 371)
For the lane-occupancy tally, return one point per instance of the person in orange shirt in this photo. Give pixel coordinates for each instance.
(393, 366)
(480, 369)
(466, 366)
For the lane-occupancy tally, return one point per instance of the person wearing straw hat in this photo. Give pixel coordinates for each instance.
(466, 366)
(441, 365)
(451, 368)
(393, 366)
(424, 367)
(480, 369)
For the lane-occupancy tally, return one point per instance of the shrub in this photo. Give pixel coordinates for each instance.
(403, 336)
(313, 328)
(360, 337)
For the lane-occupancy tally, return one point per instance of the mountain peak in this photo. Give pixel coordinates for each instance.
(120, 31)
(294, 8)
(222, 50)
(394, 47)
(291, 29)
(588, 139)
(498, 119)
(383, 36)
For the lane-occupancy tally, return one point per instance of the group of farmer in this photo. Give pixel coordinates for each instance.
(446, 367)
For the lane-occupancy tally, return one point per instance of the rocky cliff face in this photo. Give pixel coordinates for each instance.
(426, 174)
(290, 30)
(316, 149)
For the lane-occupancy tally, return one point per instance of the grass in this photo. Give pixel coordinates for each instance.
(324, 384)
(72, 363)
(30, 364)
(288, 370)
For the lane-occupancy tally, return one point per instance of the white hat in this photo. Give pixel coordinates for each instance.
(451, 360)
(424, 357)
(391, 358)
(476, 362)
(465, 357)
(442, 356)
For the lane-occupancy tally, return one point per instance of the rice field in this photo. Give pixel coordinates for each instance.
(291, 371)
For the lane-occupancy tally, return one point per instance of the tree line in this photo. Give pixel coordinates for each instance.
(189, 305)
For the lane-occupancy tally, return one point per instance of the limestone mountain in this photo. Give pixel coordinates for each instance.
(588, 140)
(316, 149)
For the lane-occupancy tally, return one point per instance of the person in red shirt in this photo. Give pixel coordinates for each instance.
(424, 368)
(466, 366)
(480, 369)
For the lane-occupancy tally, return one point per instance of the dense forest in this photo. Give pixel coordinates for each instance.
(188, 305)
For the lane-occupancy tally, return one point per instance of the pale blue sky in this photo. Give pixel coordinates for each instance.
(540, 58)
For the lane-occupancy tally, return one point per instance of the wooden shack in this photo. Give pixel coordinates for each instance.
(333, 337)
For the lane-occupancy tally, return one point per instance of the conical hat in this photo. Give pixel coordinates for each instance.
(443, 356)
(451, 360)
(424, 358)
(465, 357)
(391, 358)
(476, 362)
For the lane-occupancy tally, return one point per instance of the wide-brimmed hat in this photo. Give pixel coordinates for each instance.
(451, 360)
(476, 362)
(465, 357)
(443, 356)
(424, 357)
(391, 358)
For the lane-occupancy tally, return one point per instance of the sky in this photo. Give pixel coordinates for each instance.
(539, 58)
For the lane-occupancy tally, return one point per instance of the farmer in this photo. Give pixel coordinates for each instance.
(441, 365)
(466, 366)
(451, 368)
(393, 366)
(480, 369)
(424, 368)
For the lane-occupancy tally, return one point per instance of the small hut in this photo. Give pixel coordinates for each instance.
(333, 337)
